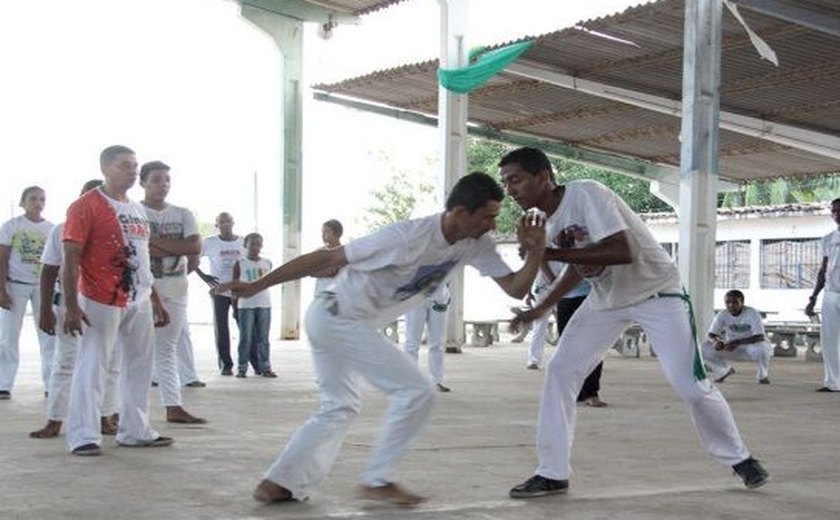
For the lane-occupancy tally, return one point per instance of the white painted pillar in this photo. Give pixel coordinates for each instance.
(452, 131)
(288, 35)
(698, 160)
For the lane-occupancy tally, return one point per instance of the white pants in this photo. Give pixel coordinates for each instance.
(342, 350)
(759, 353)
(415, 321)
(166, 353)
(539, 331)
(584, 343)
(186, 359)
(61, 377)
(131, 330)
(11, 322)
(830, 339)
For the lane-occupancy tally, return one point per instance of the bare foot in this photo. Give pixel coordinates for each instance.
(177, 414)
(268, 492)
(47, 432)
(392, 494)
(106, 427)
(595, 402)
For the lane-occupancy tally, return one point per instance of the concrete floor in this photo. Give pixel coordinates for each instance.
(637, 459)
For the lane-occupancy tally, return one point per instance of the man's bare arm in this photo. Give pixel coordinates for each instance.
(612, 250)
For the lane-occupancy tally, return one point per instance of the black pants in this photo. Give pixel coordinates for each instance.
(221, 305)
(565, 308)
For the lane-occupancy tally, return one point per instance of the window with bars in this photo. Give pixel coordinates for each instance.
(732, 264)
(790, 263)
(672, 248)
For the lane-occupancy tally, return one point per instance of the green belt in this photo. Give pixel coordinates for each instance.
(699, 367)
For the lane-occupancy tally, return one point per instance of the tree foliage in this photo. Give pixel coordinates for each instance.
(783, 191)
(395, 200)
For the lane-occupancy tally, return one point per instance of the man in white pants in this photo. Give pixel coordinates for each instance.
(386, 274)
(106, 259)
(633, 280)
(174, 236)
(829, 278)
(51, 322)
(737, 333)
(432, 312)
(539, 327)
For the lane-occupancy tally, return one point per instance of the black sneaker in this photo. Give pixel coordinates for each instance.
(538, 486)
(751, 472)
(5, 394)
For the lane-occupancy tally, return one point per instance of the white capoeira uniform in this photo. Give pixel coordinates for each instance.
(389, 272)
(432, 310)
(748, 323)
(186, 358)
(66, 347)
(623, 294)
(26, 241)
(171, 284)
(830, 312)
(115, 285)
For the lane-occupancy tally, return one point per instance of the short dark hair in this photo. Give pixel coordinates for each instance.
(835, 201)
(532, 160)
(151, 166)
(335, 225)
(91, 185)
(110, 154)
(473, 191)
(735, 293)
(27, 191)
(252, 236)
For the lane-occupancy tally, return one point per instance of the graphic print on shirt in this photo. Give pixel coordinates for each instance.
(426, 280)
(251, 274)
(29, 245)
(125, 257)
(159, 263)
(740, 328)
(577, 236)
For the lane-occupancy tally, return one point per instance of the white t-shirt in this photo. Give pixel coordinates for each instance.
(223, 254)
(831, 250)
(589, 213)
(249, 271)
(170, 272)
(744, 325)
(26, 240)
(323, 283)
(390, 270)
(54, 252)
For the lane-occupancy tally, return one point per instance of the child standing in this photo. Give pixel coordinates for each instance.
(254, 311)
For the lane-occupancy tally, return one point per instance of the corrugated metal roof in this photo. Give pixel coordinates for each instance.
(358, 7)
(803, 91)
(748, 212)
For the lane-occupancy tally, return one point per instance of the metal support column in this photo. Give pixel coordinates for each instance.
(699, 161)
(288, 35)
(452, 131)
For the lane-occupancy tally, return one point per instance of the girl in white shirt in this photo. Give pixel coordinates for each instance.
(254, 311)
(22, 241)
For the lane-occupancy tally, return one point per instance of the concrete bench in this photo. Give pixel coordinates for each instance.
(392, 331)
(784, 336)
(484, 332)
(631, 342)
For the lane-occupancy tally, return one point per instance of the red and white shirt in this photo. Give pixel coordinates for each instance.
(114, 268)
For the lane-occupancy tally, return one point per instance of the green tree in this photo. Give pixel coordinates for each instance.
(396, 200)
